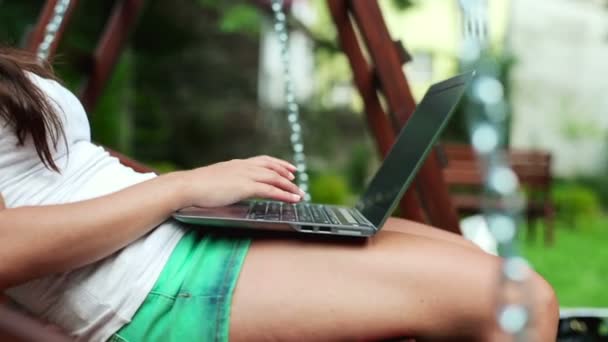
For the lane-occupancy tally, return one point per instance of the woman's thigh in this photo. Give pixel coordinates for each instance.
(395, 284)
(419, 229)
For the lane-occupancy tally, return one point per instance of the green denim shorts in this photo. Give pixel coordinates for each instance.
(192, 297)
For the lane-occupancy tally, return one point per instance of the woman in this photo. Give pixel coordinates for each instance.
(87, 245)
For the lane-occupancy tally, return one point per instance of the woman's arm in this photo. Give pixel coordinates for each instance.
(37, 241)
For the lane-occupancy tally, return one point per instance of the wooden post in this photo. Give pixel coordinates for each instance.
(108, 51)
(386, 60)
(364, 80)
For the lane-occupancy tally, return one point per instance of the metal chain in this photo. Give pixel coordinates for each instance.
(293, 110)
(487, 111)
(51, 29)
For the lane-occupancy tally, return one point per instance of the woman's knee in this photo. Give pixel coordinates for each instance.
(546, 305)
(546, 295)
(542, 302)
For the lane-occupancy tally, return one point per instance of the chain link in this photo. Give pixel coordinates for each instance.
(487, 111)
(51, 29)
(293, 110)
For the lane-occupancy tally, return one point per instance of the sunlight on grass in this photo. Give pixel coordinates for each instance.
(577, 265)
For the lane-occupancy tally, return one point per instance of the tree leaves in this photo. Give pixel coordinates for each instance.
(235, 16)
(241, 18)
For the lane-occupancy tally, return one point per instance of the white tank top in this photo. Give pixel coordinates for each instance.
(94, 301)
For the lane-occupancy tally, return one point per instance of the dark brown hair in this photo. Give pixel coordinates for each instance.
(23, 105)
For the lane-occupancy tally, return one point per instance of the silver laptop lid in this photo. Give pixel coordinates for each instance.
(411, 148)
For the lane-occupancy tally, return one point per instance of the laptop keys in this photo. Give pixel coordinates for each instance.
(258, 210)
(288, 213)
(274, 211)
(332, 216)
(301, 212)
(318, 214)
(304, 214)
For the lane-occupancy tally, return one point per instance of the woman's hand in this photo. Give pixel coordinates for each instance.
(235, 180)
(2, 206)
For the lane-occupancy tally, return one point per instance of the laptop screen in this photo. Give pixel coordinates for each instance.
(411, 148)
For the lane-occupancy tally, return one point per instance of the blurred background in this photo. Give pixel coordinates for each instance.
(201, 81)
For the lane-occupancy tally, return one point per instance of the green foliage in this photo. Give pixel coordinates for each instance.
(599, 183)
(15, 17)
(111, 120)
(329, 188)
(241, 18)
(357, 169)
(576, 265)
(403, 4)
(163, 166)
(573, 128)
(235, 16)
(575, 202)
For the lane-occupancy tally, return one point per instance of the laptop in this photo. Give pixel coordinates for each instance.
(396, 173)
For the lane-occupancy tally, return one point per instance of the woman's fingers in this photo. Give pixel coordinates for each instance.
(270, 177)
(264, 190)
(276, 167)
(290, 167)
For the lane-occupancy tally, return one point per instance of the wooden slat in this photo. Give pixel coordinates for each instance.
(466, 152)
(386, 59)
(436, 197)
(364, 80)
(532, 167)
(109, 49)
(433, 191)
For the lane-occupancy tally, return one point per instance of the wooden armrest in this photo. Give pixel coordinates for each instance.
(126, 161)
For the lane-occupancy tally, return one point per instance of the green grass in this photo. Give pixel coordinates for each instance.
(577, 265)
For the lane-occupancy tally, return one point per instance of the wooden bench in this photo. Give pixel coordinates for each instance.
(464, 176)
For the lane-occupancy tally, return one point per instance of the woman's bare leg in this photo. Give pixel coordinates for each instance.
(395, 285)
(419, 229)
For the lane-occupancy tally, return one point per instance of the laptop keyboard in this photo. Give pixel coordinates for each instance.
(302, 212)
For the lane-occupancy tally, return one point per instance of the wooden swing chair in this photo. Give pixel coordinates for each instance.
(377, 64)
